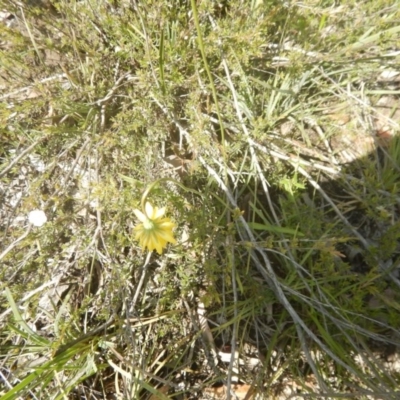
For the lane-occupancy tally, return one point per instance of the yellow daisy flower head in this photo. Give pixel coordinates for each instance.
(153, 231)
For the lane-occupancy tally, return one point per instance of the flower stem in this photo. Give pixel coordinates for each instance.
(155, 183)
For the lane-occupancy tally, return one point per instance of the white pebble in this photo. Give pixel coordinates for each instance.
(37, 217)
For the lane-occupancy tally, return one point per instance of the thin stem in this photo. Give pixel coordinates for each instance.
(141, 281)
(155, 183)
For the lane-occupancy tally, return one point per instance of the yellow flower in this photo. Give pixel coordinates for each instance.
(154, 232)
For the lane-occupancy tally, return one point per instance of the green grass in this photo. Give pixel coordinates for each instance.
(286, 198)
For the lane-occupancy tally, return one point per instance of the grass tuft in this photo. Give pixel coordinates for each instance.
(268, 130)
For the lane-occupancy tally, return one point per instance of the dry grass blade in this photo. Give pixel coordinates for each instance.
(274, 131)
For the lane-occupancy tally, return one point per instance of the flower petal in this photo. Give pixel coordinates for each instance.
(159, 212)
(158, 246)
(139, 215)
(166, 224)
(167, 237)
(149, 210)
(147, 240)
(151, 243)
